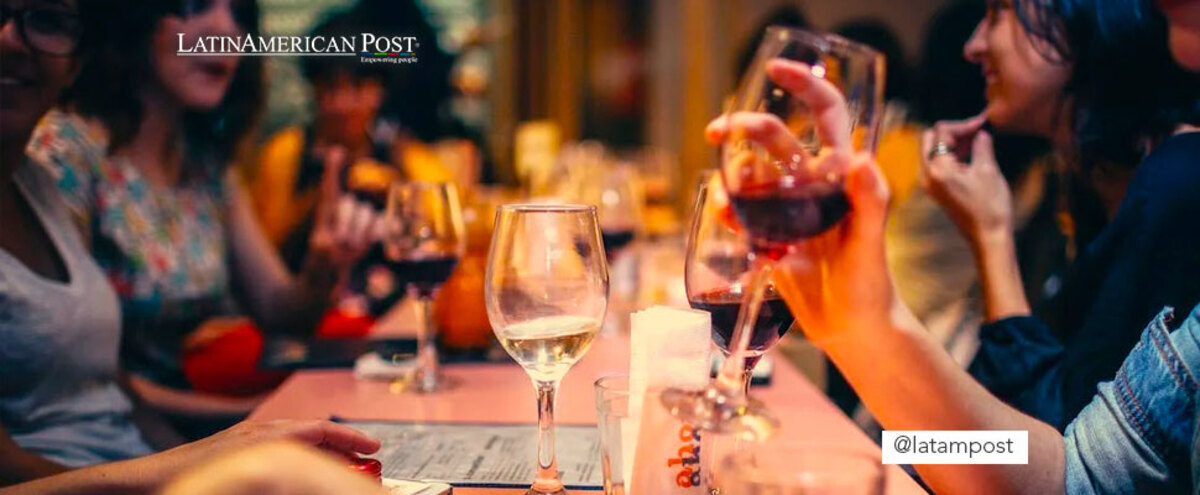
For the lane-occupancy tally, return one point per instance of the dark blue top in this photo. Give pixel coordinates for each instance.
(1146, 258)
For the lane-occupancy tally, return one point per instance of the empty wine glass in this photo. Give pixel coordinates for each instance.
(805, 105)
(423, 242)
(546, 290)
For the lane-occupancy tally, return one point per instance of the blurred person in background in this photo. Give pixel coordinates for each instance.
(141, 152)
(930, 258)
(348, 96)
(61, 402)
(1130, 180)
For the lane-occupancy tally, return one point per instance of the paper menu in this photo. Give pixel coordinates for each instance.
(481, 454)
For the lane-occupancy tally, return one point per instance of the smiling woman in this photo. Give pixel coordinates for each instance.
(142, 153)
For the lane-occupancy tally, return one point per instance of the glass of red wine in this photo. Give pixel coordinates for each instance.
(613, 188)
(423, 242)
(805, 105)
(717, 273)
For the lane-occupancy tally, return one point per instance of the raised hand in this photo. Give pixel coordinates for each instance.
(344, 228)
(975, 194)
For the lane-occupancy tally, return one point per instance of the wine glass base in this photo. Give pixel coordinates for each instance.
(532, 491)
(712, 410)
(554, 488)
(417, 382)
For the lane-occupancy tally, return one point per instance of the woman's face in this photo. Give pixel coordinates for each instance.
(1024, 89)
(31, 80)
(1183, 17)
(347, 105)
(198, 83)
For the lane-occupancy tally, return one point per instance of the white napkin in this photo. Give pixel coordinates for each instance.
(668, 348)
(372, 366)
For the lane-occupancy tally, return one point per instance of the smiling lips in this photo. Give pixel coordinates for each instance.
(216, 69)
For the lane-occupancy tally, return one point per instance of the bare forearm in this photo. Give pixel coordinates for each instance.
(19, 465)
(278, 300)
(996, 259)
(910, 383)
(191, 404)
(132, 477)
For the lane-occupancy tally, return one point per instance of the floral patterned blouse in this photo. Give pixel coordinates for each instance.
(164, 249)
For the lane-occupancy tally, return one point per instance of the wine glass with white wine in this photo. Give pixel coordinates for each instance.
(546, 290)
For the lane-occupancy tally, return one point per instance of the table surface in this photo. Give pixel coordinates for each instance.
(503, 393)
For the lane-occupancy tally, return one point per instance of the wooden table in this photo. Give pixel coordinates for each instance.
(503, 393)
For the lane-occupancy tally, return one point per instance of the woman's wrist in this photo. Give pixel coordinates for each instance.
(991, 239)
(867, 327)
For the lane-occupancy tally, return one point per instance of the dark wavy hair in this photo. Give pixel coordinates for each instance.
(1129, 92)
(120, 62)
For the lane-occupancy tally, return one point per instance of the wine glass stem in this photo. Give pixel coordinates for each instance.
(733, 371)
(748, 372)
(546, 480)
(427, 355)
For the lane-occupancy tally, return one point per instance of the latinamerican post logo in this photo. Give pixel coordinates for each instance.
(369, 47)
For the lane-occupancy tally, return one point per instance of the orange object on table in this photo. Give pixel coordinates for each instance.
(338, 323)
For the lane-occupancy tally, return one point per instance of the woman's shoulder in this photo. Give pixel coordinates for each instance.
(1170, 175)
(68, 144)
(73, 150)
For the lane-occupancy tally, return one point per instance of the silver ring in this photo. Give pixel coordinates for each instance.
(940, 148)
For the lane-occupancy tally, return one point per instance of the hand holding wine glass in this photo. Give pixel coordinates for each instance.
(808, 102)
(838, 279)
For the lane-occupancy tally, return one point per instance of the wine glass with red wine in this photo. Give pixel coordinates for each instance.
(423, 242)
(805, 105)
(613, 188)
(717, 274)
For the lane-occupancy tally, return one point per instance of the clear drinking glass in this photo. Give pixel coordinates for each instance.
(777, 468)
(612, 415)
(784, 159)
(423, 241)
(717, 272)
(546, 290)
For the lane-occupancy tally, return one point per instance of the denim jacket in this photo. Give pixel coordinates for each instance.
(1146, 258)
(1139, 434)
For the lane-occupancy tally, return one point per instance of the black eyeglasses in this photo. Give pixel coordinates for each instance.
(46, 30)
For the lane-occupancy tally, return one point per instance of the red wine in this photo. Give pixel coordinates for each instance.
(774, 318)
(614, 240)
(424, 274)
(776, 218)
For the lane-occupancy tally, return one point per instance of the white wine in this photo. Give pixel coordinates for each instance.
(548, 347)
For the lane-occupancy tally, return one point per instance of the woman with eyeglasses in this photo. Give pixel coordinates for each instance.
(142, 151)
(61, 406)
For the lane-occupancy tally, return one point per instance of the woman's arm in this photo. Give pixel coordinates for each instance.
(909, 382)
(191, 404)
(148, 474)
(18, 465)
(342, 232)
(977, 197)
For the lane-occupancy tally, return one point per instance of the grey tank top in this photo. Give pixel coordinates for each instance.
(58, 348)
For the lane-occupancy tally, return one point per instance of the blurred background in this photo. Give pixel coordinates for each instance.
(627, 73)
